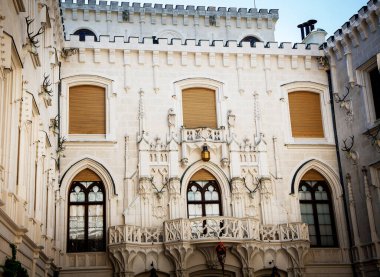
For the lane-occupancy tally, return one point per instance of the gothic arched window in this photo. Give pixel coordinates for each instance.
(86, 213)
(203, 200)
(316, 209)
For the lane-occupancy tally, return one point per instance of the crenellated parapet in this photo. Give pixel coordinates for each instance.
(192, 45)
(169, 21)
(170, 10)
(354, 31)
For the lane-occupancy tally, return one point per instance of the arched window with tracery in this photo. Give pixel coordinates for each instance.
(86, 213)
(203, 195)
(317, 210)
(203, 200)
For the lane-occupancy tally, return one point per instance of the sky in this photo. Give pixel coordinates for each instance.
(330, 14)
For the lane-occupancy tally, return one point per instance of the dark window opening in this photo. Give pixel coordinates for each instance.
(82, 33)
(374, 76)
(252, 40)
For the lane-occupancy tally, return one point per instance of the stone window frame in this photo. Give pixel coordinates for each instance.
(332, 178)
(207, 83)
(322, 90)
(86, 204)
(107, 84)
(362, 75)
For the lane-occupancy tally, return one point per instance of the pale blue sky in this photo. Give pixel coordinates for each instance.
(331, 14)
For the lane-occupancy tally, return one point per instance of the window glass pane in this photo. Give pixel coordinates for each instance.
(304, 193)
(195, 210)
(207, 195)
(325, 229)
(76, 223)
(324, 219)
(95, 221)
(323, 209)
(306, 208)
(77, 195)
(95, 194)
(320, 193)
(327, 240)
(212, 210)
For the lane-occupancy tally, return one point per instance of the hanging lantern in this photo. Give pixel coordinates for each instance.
(221, 252)
(205, 154)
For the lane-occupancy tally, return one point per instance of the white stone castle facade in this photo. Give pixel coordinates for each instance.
(108, 114)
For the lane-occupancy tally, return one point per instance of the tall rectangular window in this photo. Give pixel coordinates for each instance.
(305, 114)
(374, 77)
(199, 108)
(87, 110)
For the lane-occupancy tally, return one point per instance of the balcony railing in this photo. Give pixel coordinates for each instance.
(206, 228)
(203, 134)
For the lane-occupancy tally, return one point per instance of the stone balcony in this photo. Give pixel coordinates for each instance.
(203, 134)
(206, 229)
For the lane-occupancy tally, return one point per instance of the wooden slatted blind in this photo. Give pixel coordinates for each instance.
(87, 110)
(199, 108)
(313, 175)
(305, 114)
(202, 175)
(86, 175)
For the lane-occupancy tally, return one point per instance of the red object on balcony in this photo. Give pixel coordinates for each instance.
(221, 252)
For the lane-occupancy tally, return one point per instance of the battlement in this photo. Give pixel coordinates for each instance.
(368, 17)
(192, 45)
(168, 9)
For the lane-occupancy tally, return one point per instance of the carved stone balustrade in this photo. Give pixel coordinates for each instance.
(208, 228)
(134, 234)
(203, 134)
(232, 228)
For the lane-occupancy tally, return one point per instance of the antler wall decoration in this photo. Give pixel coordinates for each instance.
(343, 102)
(46, 86)
(351, 154)
(31, 36)
(159, 192)
(256, 183)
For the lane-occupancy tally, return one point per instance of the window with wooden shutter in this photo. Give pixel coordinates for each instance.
(87, 110)
(199, 108)
(305, 114)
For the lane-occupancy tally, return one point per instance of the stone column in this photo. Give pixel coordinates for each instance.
(175, 210)
(371, 218)
(145, 191)
(238, 197)
(353, 218)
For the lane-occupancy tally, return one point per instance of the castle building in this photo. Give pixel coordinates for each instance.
(354, 56)
(136, 139)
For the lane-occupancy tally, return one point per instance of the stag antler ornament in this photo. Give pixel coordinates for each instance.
(31, 36)
(46, 84)
(350, 154)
